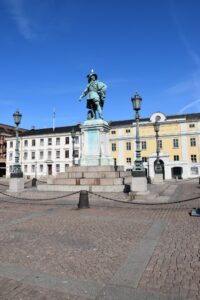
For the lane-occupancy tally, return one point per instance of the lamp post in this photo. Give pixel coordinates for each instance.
(73, 135)
(158, 167)
(138, 169)
(16, 171)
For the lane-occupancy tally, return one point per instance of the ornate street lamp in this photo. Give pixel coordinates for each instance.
(158, 167)
(16, 170)
(138, 165)
(73, 135)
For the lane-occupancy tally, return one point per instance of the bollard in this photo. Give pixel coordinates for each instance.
(83, 200)
(195, 212)
(199, 180)
(34, 182)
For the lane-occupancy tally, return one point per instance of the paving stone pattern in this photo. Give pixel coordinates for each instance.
(114, 250)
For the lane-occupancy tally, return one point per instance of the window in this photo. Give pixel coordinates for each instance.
(128, 160)
(144, 159)
(49, 141)
(193, 158)
(66, 153)
(176, 157)
(57, 168)
(175, 143)
(33, 143)
(67, 140)
(25, 168)
(128, 146)
(10, 156)
(76, 153)
(41, 168)
(57, 154)
(191, 125)
(160, 144)
(11, 144)
(144, 145)
(49, 154)
(25, 155)
(41, 142)
(113, 132)
(32, 155)
(114, 147)
(194, 171)
(66, 167)
(128, 130)
(41, 154)
(11, 167)
(76, 139)
(25, 143)
(57, 141)
(33, 168)
(192, 142)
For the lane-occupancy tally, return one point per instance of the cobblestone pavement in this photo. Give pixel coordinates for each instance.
(49, 249)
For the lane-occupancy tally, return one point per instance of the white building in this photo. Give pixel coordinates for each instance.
(44, 152)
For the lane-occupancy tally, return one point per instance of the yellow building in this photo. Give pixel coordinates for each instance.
(178, 142)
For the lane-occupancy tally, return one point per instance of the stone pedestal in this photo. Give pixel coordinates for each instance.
(158, 179)
(95, 147)
(139, 185)
(16, 185)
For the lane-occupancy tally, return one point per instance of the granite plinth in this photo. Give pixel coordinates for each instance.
(158, 178)
(139, 184)
(16, 185)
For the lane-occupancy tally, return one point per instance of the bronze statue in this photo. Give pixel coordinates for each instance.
(95, 92)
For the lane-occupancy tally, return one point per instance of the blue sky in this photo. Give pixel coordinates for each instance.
(49, 46)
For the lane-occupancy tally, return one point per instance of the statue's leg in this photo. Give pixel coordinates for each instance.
(99, 109)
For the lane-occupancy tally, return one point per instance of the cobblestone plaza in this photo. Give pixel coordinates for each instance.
(114, 250)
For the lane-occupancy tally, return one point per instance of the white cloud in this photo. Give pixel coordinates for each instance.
(17, 11)
(181, 87)
(190, 86)
(183, 38)
(195, 104)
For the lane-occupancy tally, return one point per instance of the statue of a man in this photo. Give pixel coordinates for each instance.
(95, 92)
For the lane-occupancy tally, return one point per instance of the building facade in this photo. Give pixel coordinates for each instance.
(6, 131)
(179, 143)
(45, 152)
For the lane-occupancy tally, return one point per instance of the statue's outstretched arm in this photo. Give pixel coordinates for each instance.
(84, 93)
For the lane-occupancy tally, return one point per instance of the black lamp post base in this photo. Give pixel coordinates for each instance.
(17, 175)
(158, 169)
(138, 173)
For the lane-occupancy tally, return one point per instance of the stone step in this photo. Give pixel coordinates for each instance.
(93, 169)
(92, 174)
(74, 188)
(87, 174)
(85, 181)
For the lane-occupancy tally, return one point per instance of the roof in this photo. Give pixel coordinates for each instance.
(188, 117)
(9, 130)
(45, 131)
(68, 129)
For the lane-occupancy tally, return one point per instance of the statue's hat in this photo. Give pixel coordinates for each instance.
(92, 73)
